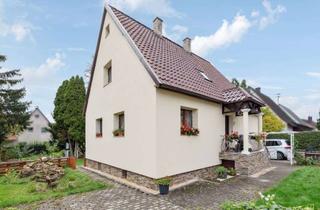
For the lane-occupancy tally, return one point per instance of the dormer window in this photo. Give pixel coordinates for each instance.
(204, 75)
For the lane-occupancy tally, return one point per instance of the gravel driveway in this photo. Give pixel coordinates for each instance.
(201, 195)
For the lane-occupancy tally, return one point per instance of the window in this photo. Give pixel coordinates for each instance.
(124, 174)
(30, 129)
(36, 116)
(99, 127)
(186, 117)
(119, 124)
(204, 75)
(107, 74)
(107, 31)
(44, 130)
(188, 122)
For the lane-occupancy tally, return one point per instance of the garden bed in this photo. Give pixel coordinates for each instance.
(15, 190)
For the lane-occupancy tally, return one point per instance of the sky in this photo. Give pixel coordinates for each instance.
(273, 44)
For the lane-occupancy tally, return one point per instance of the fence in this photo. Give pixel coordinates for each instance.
(18, 165)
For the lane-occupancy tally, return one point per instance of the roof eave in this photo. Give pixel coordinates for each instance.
(190, 93)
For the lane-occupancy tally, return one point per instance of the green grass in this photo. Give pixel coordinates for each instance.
(300, 188)
(15, 190)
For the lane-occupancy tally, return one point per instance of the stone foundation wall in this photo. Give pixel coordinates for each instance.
(248, 164)
(204, 173)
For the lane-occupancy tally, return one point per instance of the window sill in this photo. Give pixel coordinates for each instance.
(106, 84)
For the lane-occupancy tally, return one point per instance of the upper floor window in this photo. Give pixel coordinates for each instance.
(107, 73)
(99, 127)
(107, 32)
(119, 124)
(30, 129)
(44, 130)
(36, 116)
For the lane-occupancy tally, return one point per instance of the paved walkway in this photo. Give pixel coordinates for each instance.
(202, 195)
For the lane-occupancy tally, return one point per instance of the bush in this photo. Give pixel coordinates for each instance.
(303, 141)
(37, 148)
(221, 171)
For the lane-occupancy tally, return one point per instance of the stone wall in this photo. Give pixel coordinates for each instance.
(204, 173)
(248, 164)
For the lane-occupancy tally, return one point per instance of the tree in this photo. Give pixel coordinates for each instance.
(318, 122)
(271, 123)
(69, 123)
(242, 84)
(14, 115)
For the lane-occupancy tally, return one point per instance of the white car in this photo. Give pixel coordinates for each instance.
(279, 149)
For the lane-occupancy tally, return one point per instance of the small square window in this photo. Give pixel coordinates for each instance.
(99, 127)
(44, 130)
(107, 31)
(107, 74)
(119, 124)
(188, 122)
(36, 116)
(30, 129)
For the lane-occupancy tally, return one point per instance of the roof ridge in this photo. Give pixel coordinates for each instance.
(147, 27)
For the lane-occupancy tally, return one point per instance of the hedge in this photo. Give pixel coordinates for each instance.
(309, 140)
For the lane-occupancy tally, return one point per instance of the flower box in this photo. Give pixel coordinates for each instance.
(187, 131)
(98, 135)
(118, 132)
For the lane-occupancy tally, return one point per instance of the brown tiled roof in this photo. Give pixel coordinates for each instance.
(177, 68)
(174, 68)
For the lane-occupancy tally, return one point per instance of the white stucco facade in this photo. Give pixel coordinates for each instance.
(152, 144)
(36, 131)
(177, 153)
(131, 91)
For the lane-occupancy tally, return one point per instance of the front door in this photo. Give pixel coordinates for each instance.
(227, 124)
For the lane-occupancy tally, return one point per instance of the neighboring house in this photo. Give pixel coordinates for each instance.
(143, 89)
(37, 130)
(289, 118)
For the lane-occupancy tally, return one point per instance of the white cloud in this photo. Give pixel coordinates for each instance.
(42, 81)
(176, 33)
(272, 14)
(76, 49)
(155, 7)
(303, 107)
(313, 74)
(228, 60)
(255, 13)
(35, 76)
(227, 34)
(20, 29)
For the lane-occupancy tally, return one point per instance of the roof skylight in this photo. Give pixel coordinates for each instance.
(204, 75)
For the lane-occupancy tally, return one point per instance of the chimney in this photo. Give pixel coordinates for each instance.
(187, 44)
(157, 25)
(258, 89)
(310, 119)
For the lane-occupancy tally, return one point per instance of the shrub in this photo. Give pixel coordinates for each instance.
(232, 172)
(163, 181)
(37, 148)
(221, 171)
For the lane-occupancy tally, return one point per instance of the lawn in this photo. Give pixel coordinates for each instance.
(300, 188)
(15, 190)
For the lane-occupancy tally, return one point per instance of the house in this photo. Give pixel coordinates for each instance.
(291, 121)
(146, 93)
(37, 130)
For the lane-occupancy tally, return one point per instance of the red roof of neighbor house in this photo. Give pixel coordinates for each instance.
(177, 68)
(173, 68)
